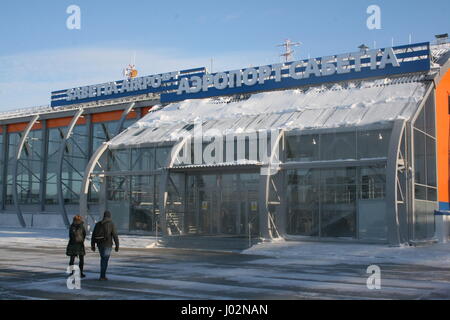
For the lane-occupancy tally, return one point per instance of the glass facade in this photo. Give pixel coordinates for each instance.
(325, 202)
(13, 143)
(133, 200)
(29, 169)
(76, 157)
(355, 144)
(223, 204)
(425, 172)
(38, 164)
(55, 138)
(331, 183)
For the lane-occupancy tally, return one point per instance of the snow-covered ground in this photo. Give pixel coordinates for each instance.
(277, 252)
(58, 238)
(33, 266)
(323, 253)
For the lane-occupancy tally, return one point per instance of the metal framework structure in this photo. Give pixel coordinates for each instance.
(16, 166)
(94, 162)
(39, 115)
(61, 153)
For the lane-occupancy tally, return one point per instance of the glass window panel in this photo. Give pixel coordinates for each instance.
(431, 194)
(74, 163)
(103, 132)
(119, 160)
(143, 159)
(431, 161)
(303, 202)
(162, 156)
(29, 169)
(338, 146)
(373, 183)
(420, 192)
(303, 148)
(338, 203)
(373, 144)
(117, 188)
(419, 158)
(55, 137)
(143, 216)
(420, 121)
(128, 123)
(13, 143)
(430, 122)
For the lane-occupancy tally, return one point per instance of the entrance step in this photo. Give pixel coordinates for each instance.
(211, 243)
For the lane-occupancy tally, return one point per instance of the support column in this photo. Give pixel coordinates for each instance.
(263, 197)
(16, 167)
(163, 194)
(268, 172)
(392, 184)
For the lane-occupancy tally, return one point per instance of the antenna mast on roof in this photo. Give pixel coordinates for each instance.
(287, 45)
(130, 71)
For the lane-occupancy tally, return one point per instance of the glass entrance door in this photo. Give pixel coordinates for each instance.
(224, 204)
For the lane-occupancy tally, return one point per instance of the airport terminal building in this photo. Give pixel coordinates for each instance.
(351, 147)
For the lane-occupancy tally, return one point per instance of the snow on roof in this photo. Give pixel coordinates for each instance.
(439, 53)
(352, 104)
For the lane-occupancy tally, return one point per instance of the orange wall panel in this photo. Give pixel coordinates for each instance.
(107, 116)
(63, 122)
(145, 111)
(443, 130)
(17, 127)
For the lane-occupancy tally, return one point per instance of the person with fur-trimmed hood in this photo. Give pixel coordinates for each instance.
(75, 247)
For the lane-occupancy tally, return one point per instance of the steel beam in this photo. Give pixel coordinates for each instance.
(392, 212)
(125, 113)
(16, 167)
(63, 146)
(164, 183)
(87, 179)
(267, 173)
(84, 192)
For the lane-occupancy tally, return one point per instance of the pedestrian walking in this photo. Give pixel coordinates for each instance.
(103, 235)
(75, 248)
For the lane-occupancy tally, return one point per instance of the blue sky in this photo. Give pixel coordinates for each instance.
(39, 54)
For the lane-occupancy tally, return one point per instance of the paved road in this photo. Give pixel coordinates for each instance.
(39, 273)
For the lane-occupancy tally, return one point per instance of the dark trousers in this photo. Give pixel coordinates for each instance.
(105, 253)
(81, 263)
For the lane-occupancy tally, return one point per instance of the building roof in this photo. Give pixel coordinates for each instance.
(351, 104)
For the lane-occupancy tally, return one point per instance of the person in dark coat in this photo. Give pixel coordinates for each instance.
(103, 235)
(75, 248)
